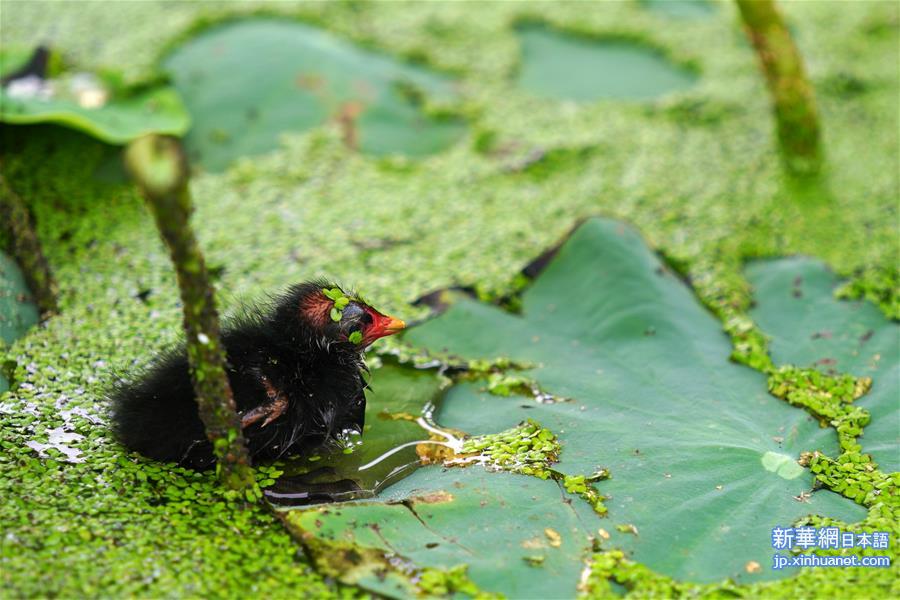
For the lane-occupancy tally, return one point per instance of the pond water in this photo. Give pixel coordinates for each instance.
(245, 83)
(559, 65)
(18, 312)
(399, 435)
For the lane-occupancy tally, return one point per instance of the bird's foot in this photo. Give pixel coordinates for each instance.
(270, 411)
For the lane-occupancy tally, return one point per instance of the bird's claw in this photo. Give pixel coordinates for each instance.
(276, 409)
(270, 410)
(252, 416)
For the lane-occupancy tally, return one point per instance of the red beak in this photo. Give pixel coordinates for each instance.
(383, 326)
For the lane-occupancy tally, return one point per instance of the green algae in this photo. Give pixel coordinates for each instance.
(113, 524)
(706, 191)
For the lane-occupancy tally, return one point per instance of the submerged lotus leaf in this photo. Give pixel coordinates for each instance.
(560, 65)
(681, 8)
(697, 448)
(397, 398)
(81, 102)
(808, 327)
(18, 312)
(246, 83)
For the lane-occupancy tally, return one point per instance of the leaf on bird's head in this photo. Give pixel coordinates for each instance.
(333, 293)
(355, 337)
(341, 301)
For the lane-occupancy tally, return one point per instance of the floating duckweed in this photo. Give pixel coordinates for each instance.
(482, 366)
(830, 398)
(355, 337)
(853, 475)
(505, 384)
(441, 583)
(690, 223)
(581, 485)
(266, 475)
(528, 449)
(502, 384)
(613, 567)
(878, 284)
(341, 301)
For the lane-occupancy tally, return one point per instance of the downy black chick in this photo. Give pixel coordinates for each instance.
(296, 370)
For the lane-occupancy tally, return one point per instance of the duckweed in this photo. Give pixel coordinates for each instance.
(697, 174)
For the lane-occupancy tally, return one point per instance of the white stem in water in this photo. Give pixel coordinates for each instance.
(401, 447)
(455, 442)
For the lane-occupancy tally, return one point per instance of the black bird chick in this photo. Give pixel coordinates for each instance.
(296, 370)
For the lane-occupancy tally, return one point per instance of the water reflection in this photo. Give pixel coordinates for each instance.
(400, 436)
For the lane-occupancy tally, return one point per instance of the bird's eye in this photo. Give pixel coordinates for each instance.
(352, 312)
(354, 318)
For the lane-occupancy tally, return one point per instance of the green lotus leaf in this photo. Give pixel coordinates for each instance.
(246, 83)
(18, 312)
(808, 327)
(117, 120)
(503, 526)
(560, 65)
(697, 449)
(681, 9)
(14, 58)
